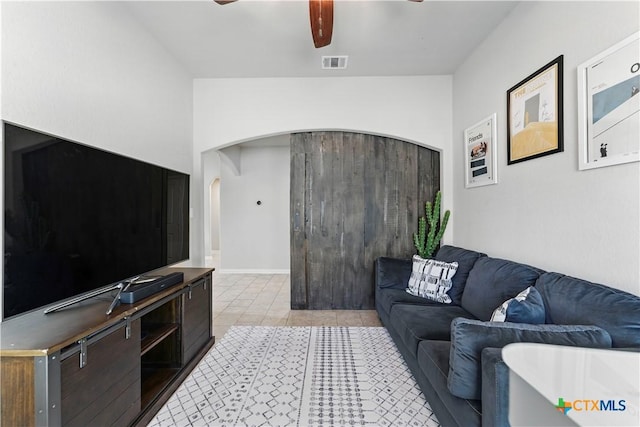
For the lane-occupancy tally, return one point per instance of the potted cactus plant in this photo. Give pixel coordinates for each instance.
(429, 233)
(431, 278)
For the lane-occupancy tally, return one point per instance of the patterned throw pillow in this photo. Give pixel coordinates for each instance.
(526, 307)
(431, 279)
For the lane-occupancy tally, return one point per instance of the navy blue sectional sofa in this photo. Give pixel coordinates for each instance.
(454, 351)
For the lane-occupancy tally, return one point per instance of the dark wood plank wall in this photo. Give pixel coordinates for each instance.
(298, 245)
(354, 198)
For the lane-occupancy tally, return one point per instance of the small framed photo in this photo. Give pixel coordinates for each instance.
(609, 106)
(480, 144)
(534, 115)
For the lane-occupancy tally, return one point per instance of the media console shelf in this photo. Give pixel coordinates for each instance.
(78, 366)
(156, 335)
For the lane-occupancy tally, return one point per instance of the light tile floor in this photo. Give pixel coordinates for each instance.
(265, 299)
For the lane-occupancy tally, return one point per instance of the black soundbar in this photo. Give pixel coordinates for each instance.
(146, 286)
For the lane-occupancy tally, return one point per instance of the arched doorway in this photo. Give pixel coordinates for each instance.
(214, 219)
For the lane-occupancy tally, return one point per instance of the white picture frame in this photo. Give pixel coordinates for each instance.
(481, 153)
(609, 106)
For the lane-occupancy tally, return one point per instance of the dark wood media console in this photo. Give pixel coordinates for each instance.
(79, 367)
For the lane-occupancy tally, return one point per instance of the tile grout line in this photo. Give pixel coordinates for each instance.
(238, 287)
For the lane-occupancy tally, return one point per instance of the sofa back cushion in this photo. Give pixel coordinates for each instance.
(392, 272)
(492, 281)
(466, 260)
(571, 301)
(469, 337)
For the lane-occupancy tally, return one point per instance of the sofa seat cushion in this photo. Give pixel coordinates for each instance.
(571, 301)
(465, 259)
(414, 323)
(492, 281)
(433, 360)
(386, 298)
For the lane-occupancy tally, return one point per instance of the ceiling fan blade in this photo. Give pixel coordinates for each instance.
(321, 16)
(227, 1)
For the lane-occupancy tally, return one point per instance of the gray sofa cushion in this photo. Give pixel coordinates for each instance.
(465, 259)
(470, 337)
(414, 323)
(392, 272)
(492, 281)
(571, 301)
(388, 297)
(433, 360)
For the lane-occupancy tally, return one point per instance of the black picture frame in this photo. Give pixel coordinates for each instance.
(535, 114)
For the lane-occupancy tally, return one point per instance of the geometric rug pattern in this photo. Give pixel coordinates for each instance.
(299, 376)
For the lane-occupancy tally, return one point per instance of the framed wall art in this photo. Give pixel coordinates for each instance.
(481, 163)
(609, 106)
(534, 114)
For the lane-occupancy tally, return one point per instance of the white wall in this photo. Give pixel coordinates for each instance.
(544, 211)
(255, 238)
(417, 109)
(88, 72)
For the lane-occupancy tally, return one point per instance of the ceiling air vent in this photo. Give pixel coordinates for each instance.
(334, 62)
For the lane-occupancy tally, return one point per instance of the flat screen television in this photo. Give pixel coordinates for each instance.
(77, 218)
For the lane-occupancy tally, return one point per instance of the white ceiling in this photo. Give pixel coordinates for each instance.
(267, 38)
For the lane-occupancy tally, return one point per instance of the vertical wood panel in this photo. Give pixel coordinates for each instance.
(195, 332)
(377, 198)
(354, 198)
(334, 223)
(376, 205)
(428, 177)
(353, 292)
(94, 391)
(407, 180)
(318, 244)
(18, 409)
(297, 215)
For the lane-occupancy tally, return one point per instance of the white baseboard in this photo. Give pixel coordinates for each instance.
(251, 271)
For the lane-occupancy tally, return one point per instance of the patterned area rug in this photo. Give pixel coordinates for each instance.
(299, 376)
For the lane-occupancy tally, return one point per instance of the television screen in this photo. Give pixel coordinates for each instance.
(77, 218)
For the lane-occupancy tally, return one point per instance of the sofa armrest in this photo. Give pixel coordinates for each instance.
(392, 272)
(495, 388)
(469, 337)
